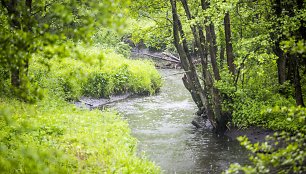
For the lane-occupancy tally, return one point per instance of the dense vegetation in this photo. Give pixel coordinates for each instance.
(44, 66)
(53, 136)
(244, 65)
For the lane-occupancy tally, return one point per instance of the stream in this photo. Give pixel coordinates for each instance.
(162, 125)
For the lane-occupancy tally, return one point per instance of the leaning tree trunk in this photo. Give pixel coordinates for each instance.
(190, 79)
(196, 30)
(211, 41)
(212, 51)
(220, 118)
(207, 96)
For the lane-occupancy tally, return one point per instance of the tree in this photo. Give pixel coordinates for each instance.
(229, 47)
(31, 27)
(250, 32)
(289, 11)
(206, 96)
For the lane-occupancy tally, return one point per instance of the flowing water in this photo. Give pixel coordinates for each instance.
(162, 125)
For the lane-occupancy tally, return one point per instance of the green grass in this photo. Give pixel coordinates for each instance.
(96, 73)
(54, 136)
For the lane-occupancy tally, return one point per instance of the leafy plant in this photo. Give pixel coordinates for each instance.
(283, 152)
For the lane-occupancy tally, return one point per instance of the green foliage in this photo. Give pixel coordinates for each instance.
(154, 34)
(94, 74)
(116, 75)
(110, 38)
(55, 137)
(41, 27)
(52, 136)
(256, 90)
(286, 119)
(282, 153)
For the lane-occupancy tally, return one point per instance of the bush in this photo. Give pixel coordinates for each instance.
(95, 74)
(257, 91)
(282, 153)
(118, 75)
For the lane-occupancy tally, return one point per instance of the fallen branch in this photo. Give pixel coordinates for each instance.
(160, 57)
(171, 56)
(196, 124)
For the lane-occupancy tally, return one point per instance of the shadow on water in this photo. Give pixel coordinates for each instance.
(161, 123)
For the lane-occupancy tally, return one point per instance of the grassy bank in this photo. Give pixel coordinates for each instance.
(53, 136)
(95, 73)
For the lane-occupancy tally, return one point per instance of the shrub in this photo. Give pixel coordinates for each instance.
(95, 74)
(282, 153)
(52, 136)
(257, 91)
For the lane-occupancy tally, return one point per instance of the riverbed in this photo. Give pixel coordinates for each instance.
(162, 125)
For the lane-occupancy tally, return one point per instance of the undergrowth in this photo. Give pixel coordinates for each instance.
(56, 137)
(251, 99)
(93, 74)
(53, 136)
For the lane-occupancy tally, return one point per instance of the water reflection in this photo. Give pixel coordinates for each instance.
(161, 123)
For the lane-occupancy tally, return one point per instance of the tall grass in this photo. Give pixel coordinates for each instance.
(53, 136)
(56, 137)
(97, 75)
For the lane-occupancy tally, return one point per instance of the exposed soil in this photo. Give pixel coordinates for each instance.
(254, 134)
(92, 103)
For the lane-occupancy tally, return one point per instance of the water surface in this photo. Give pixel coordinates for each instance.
(162, 125)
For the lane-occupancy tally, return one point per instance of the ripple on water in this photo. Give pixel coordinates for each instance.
(161, 123)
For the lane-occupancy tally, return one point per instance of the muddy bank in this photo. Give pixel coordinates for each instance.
(92, 103)
(255, 134)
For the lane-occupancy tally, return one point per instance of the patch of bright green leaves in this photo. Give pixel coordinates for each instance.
(55, 137)
(52, 136)
(96, 74)
(283, 152)
(256, 91)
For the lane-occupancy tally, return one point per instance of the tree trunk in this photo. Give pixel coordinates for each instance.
(281, 63)
(212, 53)
(15, 77)
(16, 18)
(222, 51)
(229, 47)
(208, 82)
(297, 83)
(220, 119)
(191, 79)
(197, 33)
(211, 41)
